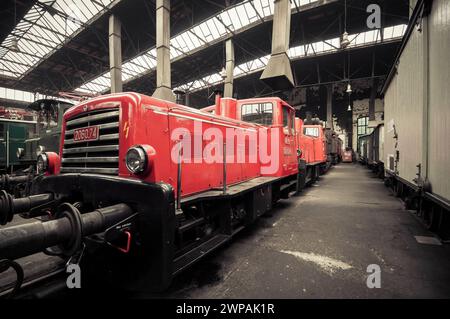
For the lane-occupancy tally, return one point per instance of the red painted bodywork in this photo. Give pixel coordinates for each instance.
(317, 152)
(54, 163)
(149, 121)
(304, 143)
(347, 157)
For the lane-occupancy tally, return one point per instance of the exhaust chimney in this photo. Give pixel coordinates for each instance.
(278, 73)
(180, 97)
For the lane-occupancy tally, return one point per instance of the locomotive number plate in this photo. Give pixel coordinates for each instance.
(86, 134)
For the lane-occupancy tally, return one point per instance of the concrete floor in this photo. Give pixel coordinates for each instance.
(319, 245)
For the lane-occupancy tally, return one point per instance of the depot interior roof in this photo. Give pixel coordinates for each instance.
(63, 44)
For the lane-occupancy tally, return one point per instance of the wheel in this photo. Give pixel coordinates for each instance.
(431, 218)
(398, 189)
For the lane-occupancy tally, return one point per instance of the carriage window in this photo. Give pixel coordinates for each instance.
(311, 131)
(260, 113)
(285, 117)
(288, 121)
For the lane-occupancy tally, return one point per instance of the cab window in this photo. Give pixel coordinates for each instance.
(288, 120)
(311, 131)
(260, 113)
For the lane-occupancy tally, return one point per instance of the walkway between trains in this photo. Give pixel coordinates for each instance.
(320, 244)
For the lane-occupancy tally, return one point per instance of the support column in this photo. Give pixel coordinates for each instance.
(373, 96)
(329, 106)
(115, 54)
(229, 68)
(163, 80)
(278, 72)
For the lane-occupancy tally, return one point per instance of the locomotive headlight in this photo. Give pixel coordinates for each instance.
(136, 159)
(20, 152)
(39, 150)
(42, 163)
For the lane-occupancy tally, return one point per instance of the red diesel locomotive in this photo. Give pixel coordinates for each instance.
(146, 187)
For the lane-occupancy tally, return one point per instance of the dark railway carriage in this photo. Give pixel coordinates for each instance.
(23, 141)
(371, 150)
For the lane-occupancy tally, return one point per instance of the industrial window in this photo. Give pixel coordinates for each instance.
(362, 125)
(260, 113)
(311, 131)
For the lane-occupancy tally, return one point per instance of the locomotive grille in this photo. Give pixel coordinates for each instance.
(100, 156)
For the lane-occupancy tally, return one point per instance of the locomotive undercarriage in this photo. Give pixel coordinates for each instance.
(430, 208)
(147, 240)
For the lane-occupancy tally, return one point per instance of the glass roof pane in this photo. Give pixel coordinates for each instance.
(45, 32)
(226, 20)
(251, 13)
(220, 27)
(243, 16)
(234, 19)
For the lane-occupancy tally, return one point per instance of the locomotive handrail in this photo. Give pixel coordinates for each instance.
(224, 168)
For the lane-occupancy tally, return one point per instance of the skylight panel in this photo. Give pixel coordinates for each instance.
(250, 12)
(258, 6)
(242, 15)
(103, 81)
(220, 27)
(206, 32)
(370, 35)
(23, 96)
(234, 18)
(175, 52)
(268, 7)
(226, 20)
(235, 21)
(42, 32)
(388, 32)
(399, 30)
(213, 29)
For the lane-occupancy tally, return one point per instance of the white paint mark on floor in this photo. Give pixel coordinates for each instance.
(428, 240)
(328, 264)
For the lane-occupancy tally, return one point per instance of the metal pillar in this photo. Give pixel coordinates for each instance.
(163, 81)
(229, 68)
(278, 73)
(115, 54)
(329, 106)
(373, 96)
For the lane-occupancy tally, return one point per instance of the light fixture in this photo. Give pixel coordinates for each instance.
(344, 41)
(349, 88)
(223, 73)
(136, 159)
(14, 46)
(349, 109)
